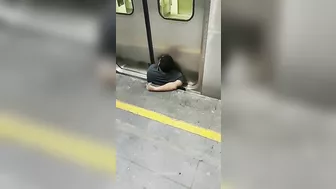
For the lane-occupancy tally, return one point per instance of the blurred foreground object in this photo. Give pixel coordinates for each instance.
(107, 72)
(107, 46)
(47, 76)
(280, 135)
(305, 46)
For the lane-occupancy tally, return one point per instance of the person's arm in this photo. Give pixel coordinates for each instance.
(167, 87)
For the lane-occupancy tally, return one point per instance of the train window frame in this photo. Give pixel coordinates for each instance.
(175, 19)
(126, 13)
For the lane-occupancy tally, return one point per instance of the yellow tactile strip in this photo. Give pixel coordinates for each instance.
(80, 150)
(169, 121)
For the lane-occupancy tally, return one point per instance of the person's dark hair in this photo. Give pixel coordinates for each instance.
(166, 63)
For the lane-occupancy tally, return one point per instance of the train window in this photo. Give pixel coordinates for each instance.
(124, 7)
(176, 9)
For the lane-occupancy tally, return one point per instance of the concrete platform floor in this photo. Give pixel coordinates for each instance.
(163, 156)
(51, 80)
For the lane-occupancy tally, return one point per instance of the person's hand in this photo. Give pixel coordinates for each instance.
(150, 87)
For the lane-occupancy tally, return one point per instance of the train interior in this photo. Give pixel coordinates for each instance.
(134, 60)
(124, 6)
(175, 9)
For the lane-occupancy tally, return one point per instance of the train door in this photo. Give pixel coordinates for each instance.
(176, 27)
(131, 38)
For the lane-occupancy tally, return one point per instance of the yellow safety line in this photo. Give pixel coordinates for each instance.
(62, 145)
(226, 186)
(169, 121)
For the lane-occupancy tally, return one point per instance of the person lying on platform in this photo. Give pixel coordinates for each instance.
(164, 75)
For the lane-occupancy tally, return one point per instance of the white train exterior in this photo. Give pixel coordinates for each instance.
(195, 43)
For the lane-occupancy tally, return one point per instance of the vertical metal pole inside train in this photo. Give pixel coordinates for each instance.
(148, 30)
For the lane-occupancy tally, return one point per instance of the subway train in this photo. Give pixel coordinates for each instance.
(188, 30)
